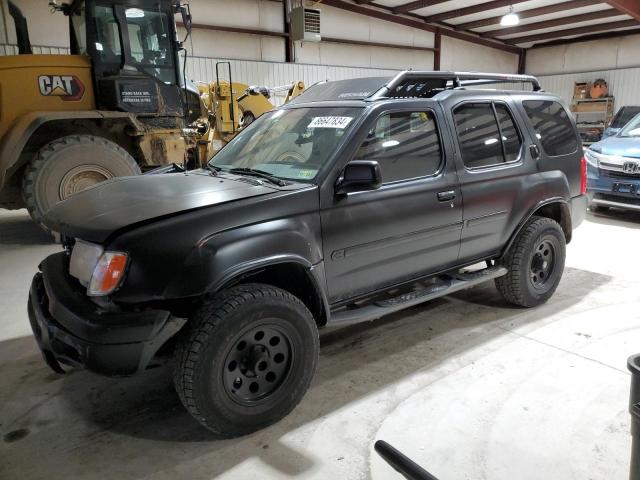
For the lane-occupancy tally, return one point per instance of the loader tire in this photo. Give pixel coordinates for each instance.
(69, 165)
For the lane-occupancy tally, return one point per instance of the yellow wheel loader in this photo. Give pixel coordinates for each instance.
(233, 105)
(117, 105)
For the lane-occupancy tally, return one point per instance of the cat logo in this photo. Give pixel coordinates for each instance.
(67, 87)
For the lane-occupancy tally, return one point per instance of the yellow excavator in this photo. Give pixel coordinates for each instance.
(119, 104)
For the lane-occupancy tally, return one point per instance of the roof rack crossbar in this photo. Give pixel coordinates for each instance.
(457, 80)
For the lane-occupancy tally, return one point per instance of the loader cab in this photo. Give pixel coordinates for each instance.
(133, 47)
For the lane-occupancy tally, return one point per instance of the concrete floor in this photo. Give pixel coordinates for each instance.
(465, 385)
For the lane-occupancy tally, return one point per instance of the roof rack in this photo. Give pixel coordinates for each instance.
(414, 83)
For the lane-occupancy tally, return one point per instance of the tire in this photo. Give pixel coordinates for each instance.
(535, 262)
(69, 165)
(231, 374)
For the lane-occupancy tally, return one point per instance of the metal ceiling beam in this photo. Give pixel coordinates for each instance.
(461, 12)
(409, 7)
(602, 27)
(587, 38)
(421, 25)
(630, 7)
(532, 12)
(556, 22)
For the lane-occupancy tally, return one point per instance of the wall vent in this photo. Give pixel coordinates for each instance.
(305, 24)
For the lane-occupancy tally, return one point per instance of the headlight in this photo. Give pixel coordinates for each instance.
(107, 274)
(593, 158)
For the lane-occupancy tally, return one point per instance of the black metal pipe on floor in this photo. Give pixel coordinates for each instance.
(633, 364)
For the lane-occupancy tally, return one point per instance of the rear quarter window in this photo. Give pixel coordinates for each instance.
(552, 125)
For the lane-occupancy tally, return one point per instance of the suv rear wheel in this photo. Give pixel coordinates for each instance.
(247, 359)
(535, 262)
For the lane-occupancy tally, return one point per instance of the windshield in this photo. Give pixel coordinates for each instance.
(632, 129)
(624, 115)
(292, 144)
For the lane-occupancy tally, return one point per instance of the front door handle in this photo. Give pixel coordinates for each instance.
(446, 196)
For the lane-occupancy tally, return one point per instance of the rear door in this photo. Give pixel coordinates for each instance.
(410, 225)
(495, 172)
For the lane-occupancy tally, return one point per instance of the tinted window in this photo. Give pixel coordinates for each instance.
(405, 144)
(478, 135)
(510, 135)
(552, 125)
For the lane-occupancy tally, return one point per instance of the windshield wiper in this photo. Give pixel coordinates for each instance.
(258, 173)
(213, 169)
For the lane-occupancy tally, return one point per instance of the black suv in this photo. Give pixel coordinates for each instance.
(356, 200)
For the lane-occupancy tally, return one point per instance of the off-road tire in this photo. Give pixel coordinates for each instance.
(518, 286)
(212, 334)
(64, 160)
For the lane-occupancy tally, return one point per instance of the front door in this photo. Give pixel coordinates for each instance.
(409, 226)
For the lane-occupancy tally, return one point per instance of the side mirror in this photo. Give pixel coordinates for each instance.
(358, 176)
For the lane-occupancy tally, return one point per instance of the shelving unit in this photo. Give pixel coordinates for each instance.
(592, 116)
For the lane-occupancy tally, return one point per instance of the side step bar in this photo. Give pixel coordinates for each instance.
(448, 285)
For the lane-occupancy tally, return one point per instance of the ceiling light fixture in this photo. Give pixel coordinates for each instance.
(510, 19)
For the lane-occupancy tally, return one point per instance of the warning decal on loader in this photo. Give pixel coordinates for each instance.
(67, 87)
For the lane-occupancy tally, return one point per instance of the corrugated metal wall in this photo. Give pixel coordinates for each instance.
(37, 49)
(275, 74)
(270, 74)
(624, 84)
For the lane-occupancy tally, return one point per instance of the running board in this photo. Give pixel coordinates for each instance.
(446, 286)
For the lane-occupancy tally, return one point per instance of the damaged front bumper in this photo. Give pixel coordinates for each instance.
(71, 330)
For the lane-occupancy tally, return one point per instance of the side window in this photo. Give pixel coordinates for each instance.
(552, 125)
(478, 135)
(405, 145)
(486, 138)
(510, 136)
(108, 35)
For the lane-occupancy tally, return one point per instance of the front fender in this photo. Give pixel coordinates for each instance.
(16, 138)
(218, 259)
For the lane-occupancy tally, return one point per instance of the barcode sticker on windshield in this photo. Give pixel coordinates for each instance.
(330, 122)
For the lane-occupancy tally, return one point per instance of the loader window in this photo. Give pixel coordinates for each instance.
(108, 47)
(150, 43)
(78, 22)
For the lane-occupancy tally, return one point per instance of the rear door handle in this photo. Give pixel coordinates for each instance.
(535, 151)
(446, 196)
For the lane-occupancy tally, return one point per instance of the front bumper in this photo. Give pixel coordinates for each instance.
(71, 330)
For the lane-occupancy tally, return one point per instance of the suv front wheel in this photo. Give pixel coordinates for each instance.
(247, 359)
(535, 262)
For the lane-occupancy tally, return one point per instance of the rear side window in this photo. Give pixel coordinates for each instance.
(487, 137)
(552, 125)
(405, 144)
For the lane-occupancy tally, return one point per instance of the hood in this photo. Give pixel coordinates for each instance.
(96, 213)
(623, 146)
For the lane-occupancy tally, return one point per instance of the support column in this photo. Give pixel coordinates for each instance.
(289, 48)
(437, 44)
(522, 61)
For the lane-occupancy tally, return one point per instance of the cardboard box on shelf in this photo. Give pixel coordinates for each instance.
(581, 90)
